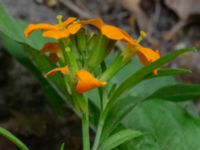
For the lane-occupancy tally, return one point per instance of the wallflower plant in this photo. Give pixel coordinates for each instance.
(99, 81)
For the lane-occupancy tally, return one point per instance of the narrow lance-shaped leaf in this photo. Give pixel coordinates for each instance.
(13, 139)
(120, 110)
(7, 25)
(169, 72)
(124, 105)
(81, 39)
(62, 147)
(102, 47)
(139, 76)
(177, 93)
(119, 138)
(146, 70)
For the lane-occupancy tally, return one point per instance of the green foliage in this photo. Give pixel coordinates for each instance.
(177, 92)
(102, 46)
(169, 72)
(119, 138)
(62, 147)
(141, 74)
(81, 40)
(13, 139)
(167, 126)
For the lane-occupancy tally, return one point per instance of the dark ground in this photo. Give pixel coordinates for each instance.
(23, 107)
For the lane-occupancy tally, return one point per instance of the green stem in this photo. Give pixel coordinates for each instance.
(101, 123)
(72, 59)
(69, 56)
(81, 105)
(85, 130)
(99, 132)
(118, 63)
(7, 134)
(115, 67)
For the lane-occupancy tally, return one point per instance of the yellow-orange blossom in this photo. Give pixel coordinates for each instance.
(146, 55)
(57, 31)
(85, 80)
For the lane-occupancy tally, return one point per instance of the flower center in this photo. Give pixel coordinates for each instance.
(140, 38)
(60, 23)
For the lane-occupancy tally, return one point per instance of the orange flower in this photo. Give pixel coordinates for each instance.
(147, 55)
(98, 22)
(54, 50)
(110, 31)
(57, 31)
(86, 81)
(63, 70)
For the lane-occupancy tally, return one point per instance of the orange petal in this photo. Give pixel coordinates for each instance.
(155, 71)
(98, 22)
(74, 28)
(86, 81)
(41, 26)
(68, 21)
(63, 70)
(147, 55)
(51, 47)
(113, 32)
(56, 34)
(128, 38)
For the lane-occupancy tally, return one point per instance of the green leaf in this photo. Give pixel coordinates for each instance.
(177, 93)
(81, 40)
(141, 74)
(124, 105)
(141, 90)
(167, 127)
(169, 72)
(62, 147)
(13, 139)
(118, 112)
(8, 25)
(102, 46)
(119, 138)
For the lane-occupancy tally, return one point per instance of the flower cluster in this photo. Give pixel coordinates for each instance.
(79, 75)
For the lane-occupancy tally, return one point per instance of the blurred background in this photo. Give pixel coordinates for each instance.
(170, 25)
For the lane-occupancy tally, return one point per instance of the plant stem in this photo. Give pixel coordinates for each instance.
(98, 134)
(85, 131)
(114, 68)
(107, 75)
